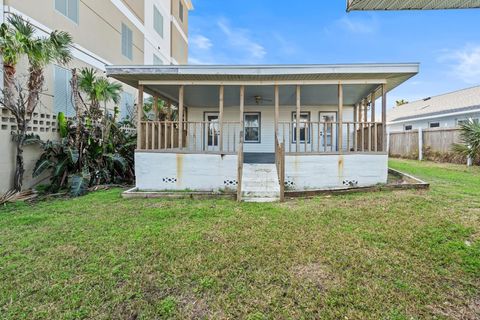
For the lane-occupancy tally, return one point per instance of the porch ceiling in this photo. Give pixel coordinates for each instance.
(311, 95)
(319, 82)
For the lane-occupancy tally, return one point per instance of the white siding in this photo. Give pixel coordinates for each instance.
(267, 130)
(445, 122)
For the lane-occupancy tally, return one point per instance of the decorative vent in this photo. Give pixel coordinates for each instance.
(41, 122)
(169, 180)
(350, 183)
(289, 184)
(230, 183)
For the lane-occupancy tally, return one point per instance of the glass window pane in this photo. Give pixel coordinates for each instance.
(61, 6)
(158, 21)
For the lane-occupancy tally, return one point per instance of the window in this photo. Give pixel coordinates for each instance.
(127, 42)
(157, 21)
(434, 125)
(157, 60)
(304, 127)
(63, 92)
(408, 127)
(180, 9)
(252, 127)
(465, 121)
(69, 8)
(127, 107)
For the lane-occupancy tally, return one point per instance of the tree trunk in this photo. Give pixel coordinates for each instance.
(9, 76)
(35, 84)
(19, 164)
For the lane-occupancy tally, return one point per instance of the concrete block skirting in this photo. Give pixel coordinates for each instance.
(211, 172)
(196, 172)
(317, 172)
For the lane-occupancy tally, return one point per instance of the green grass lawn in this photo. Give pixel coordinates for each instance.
(386, 255)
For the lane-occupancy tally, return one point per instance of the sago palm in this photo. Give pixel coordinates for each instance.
(470, 138)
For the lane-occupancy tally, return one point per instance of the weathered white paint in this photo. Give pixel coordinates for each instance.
(199, 172)
(207, 172)
(335, 171)
(260, 183)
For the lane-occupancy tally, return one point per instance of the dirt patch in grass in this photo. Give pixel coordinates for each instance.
(469, 310)
(316, 273)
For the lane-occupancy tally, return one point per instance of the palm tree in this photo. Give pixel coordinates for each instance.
(470, 137)
(17, 39)
(99, 90)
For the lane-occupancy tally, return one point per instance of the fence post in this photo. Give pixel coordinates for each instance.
(420, 144)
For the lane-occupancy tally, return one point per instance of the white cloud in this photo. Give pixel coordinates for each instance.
(464, 62)
(363, 26)
(239, 38)
(201, 42)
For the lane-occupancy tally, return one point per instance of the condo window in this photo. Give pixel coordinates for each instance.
(408, 127)
(127, 42)
(252, 127)
(434, 125)
(304, 127)
(69, 8)
(157, 60)
(180, 10)
(157, 21)
(62, 99)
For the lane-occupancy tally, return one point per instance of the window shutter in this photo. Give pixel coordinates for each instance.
(73, 8)
(62, 99)
(127, 42)
(61, 6)
(158, 21)
(60, 102)
(126, 103)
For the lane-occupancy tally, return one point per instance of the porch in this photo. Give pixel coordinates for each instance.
(319, 127)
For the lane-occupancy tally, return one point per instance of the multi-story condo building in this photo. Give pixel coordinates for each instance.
(105, 32)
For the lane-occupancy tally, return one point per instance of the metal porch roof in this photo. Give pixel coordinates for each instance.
(353, 5)
(393, 74)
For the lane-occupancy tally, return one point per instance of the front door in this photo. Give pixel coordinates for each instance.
(211, 132)
(329, 135)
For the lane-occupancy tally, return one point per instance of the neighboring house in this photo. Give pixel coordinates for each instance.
(443, 111)
(105, 32)
(353, 5)
(229, 115)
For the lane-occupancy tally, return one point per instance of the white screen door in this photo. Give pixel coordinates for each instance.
(329, 134)
(211, 132)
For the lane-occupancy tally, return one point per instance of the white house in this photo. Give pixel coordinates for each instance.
(443, 111)
(260, 129)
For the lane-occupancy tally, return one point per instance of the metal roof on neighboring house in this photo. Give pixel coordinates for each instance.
(457, 102)
(353, 5)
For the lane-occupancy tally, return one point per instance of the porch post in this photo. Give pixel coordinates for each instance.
(139, 116)
(155, 108)
(373, 106)
(297, 119)
(220, 117)
(242, 106)
(355, 127)
(277, 109)
(180, 116)
(340, 118)
(384, 117)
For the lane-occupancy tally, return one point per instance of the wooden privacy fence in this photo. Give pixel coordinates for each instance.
(431, 144)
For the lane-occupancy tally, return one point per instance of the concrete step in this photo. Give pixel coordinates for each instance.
(260, 183)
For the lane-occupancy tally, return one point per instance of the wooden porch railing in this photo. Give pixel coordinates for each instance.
(280, 163)
(323, 137)
(198, 136)
(240, 168)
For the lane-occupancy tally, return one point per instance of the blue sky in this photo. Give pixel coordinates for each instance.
(446, 43)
